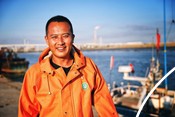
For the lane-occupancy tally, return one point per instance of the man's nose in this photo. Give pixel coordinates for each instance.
(60, 39)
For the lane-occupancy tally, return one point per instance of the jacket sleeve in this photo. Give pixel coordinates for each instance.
(102, 99)
(28, 105)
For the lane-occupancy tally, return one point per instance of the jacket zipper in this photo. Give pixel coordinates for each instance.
(72, 98)
(48, 84)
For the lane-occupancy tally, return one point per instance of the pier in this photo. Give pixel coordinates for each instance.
(87, 46)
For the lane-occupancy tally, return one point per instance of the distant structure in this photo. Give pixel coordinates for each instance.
(95, 34)
(87, 46)
(24, 47)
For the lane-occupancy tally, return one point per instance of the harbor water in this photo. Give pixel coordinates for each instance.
(140, 58)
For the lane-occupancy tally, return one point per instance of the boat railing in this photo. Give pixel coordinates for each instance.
(132, 91)
(123, 89)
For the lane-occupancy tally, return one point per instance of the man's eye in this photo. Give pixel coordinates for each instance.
(65, 35)
(53, 37)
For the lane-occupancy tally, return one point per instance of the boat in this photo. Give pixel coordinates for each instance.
(131, 96)
(12, 66)
(128, 98)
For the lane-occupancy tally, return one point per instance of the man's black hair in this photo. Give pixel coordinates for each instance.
(59, 18)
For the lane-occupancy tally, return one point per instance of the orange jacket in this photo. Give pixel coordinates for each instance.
(50, 93)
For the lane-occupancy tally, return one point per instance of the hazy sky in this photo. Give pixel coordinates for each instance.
(119, 20)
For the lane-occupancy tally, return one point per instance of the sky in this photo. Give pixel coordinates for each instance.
(112, 21)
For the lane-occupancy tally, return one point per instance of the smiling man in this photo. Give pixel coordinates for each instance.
(64, 82)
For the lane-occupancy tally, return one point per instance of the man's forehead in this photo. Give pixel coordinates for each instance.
(59, 24)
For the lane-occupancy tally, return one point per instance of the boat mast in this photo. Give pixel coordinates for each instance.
(165, 55)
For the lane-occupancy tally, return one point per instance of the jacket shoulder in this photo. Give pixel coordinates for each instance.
(90, 64)
(32, 72)
(35, 67)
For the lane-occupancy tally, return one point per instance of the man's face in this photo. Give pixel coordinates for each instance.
(59, 39)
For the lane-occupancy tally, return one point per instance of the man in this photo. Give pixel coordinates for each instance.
(64, 82)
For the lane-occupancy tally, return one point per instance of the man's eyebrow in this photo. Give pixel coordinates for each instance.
(66, 33)
(53, 34)
(60, 34)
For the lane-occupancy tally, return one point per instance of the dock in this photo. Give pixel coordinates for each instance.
(9, 97)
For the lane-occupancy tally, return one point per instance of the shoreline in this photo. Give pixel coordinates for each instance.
(123, 46)
(24, 48)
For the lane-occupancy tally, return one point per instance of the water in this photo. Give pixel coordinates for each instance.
(139, 58)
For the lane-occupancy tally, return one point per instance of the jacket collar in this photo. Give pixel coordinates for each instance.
(79, 60)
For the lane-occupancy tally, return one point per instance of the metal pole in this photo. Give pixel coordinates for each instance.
(165, 56)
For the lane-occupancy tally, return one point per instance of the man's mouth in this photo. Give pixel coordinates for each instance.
(60, 48)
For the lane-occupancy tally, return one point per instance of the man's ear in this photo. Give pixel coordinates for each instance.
(46, 39)
(73, 36)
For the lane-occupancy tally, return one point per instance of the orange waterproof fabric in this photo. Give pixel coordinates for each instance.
(50, 93)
